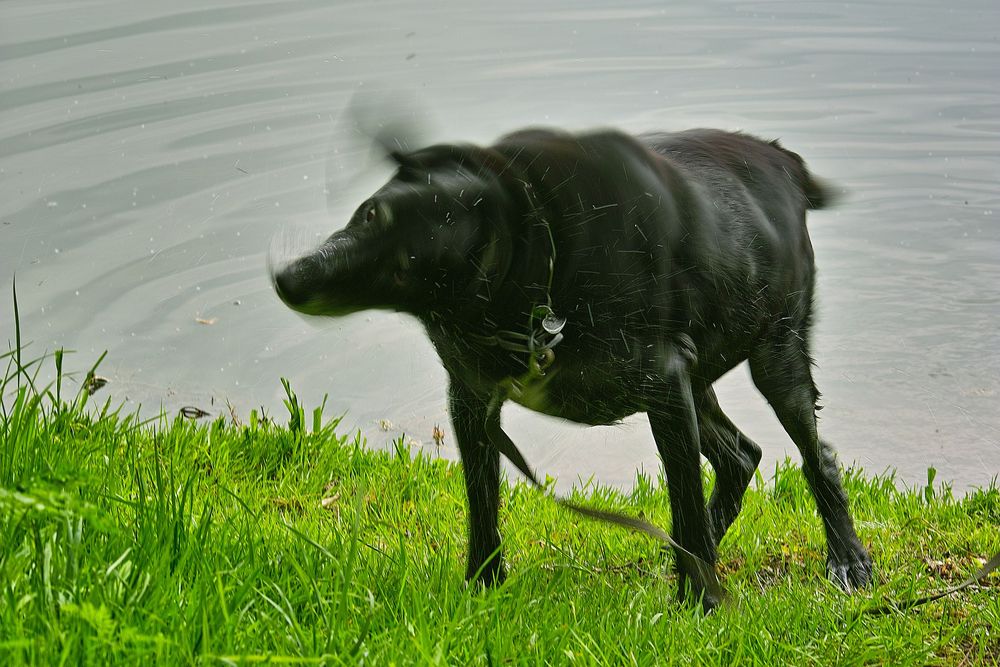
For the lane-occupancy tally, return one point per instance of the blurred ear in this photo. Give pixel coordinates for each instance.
(396, 124)
(404, 159)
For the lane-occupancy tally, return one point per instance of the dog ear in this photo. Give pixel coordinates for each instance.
(404, 160)
(393, 121)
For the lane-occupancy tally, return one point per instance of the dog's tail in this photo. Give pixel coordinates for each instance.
(818, 192)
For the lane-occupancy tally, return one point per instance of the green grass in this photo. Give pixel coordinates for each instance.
(174, 542)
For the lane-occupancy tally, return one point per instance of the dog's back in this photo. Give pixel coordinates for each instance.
(702, 230)
(760, 165)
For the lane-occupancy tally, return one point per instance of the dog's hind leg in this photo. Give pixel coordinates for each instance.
(675, 429)
(780, 368)
(733, 456)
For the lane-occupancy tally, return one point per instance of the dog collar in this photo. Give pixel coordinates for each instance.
(544, 333)
(544, 325)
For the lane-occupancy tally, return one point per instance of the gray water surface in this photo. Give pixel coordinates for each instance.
(150, 151)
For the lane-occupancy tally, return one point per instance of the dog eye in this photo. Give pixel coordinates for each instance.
(370, 215)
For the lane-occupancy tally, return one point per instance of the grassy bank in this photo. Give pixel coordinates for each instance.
(177, 542)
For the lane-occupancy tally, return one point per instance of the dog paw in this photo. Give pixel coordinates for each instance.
(490, 575)
(710, 595)
(709, 602)
(850, 571)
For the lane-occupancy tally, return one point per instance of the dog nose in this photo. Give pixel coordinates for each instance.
(290, 286)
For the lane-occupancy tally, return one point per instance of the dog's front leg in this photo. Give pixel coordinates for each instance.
(481, 466)
(675, 428)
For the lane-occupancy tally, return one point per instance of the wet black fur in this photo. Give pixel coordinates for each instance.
(676, 257)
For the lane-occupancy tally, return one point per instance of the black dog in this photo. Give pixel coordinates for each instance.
(594, 276)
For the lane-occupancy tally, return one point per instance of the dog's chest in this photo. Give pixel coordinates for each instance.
(531, 390)
(575, 392)
(588, 384)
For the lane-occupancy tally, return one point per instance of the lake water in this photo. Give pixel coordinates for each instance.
(150, 151)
